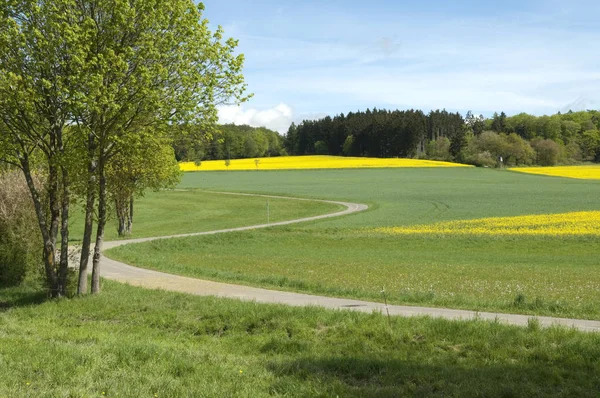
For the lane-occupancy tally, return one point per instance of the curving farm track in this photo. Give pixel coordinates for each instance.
(125, 273)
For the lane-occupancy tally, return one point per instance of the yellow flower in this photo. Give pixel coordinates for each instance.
(580, 172)
(311, 162)
(241, 371)
(583, 223)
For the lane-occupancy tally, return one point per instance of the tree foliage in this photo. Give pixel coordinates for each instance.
(96, 83)
(447, 136)
(147, 164)
(229, 142)
(377, 133)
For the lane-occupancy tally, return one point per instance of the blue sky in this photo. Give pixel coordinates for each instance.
(308, 59)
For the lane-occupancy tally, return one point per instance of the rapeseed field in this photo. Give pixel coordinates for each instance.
(591, 172)
(584, 223)
(311, 162)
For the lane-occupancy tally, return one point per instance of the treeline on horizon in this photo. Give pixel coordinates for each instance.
(522, 139)
(230, 142)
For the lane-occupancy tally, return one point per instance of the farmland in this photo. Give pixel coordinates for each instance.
(311, 162)
(590, 172)
(206, 346)
(537, 274)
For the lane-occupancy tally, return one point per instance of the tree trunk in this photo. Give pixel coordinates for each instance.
(130, 220)
(121, 219)
(49, 251)
(88, 227)
(124, 210)
(64, 235)
(100, 229)
(55, 207)
(89, 215)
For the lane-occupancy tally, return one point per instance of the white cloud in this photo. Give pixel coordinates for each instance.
(535, 61)
(277, 118)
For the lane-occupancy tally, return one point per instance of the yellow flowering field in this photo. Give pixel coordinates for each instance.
(591, 172)
(584, 223)
(311, 162)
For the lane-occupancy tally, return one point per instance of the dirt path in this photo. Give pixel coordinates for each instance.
(121, 272)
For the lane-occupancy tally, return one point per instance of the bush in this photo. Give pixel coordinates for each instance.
(20, 244)
(548, 152)
(573, 152)
(487, 148)
(518, 151)
(439, 149)
(483, 159)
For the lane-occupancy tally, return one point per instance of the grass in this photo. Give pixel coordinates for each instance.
(415, 196)
(533, 275)
(135, 342)
(180, 212)
(459, 272)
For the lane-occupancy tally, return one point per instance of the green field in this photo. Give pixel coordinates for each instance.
(340, 257)
(135, 342)
(179, 212)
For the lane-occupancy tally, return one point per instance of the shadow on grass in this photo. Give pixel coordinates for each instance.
(378, 377)
(22, 296)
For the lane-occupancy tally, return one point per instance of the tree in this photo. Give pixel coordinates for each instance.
(518, 151)
(569, 130)
(439, 149)
(547, 151)
(135, 170)
(138, 80)
(321, 148)
(251, 148)
(116, 72)
(348, 145)
(589, 142)
(43, 48)
(499, 122)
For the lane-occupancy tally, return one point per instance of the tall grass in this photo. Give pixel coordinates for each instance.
(135, 342)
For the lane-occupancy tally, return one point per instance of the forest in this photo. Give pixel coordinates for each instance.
(522, 139)
(228, 142)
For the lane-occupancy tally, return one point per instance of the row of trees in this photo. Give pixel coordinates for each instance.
(230, 142)
(89, 93)
(376, 133)
(519, 139)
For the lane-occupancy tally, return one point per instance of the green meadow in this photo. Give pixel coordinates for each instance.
(343, 257)
(130, 341)
(134, 342)
(179, 212)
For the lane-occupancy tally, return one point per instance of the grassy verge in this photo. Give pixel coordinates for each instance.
(555, 277)
(135, 342)
(180, 212)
